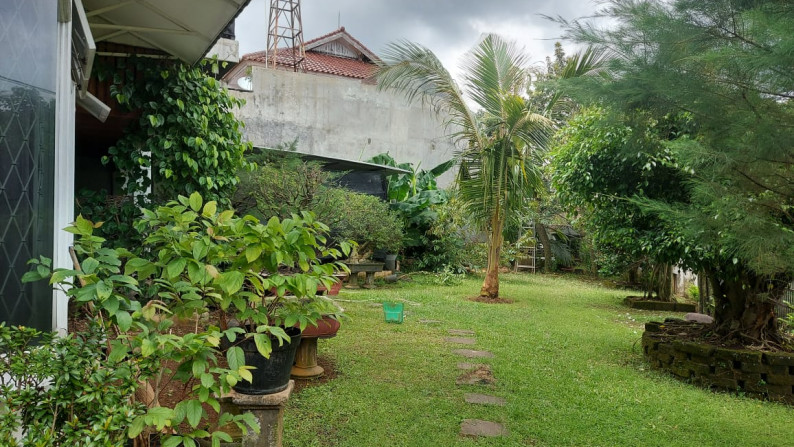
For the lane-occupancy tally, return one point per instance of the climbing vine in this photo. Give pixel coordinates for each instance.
(186, 133)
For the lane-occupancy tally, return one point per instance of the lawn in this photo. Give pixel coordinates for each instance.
(567, 361)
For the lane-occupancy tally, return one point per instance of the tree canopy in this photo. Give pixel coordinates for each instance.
(726, 63)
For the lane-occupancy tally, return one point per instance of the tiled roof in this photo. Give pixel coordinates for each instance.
(341, 31)
(316, 62)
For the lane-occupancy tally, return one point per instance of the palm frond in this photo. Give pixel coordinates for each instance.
(415, 71)
(493, 68)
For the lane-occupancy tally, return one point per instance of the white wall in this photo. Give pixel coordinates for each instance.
(341, 117)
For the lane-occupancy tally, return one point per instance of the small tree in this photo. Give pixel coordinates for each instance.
(499, 167)
(598, 167)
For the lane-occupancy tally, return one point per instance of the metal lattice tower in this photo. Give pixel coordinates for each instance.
(285, 29)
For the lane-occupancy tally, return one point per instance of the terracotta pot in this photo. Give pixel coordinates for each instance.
(326, 328)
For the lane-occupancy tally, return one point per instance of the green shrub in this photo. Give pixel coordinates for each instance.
(693, 292)
(362, 218)
(280, 186)
(54, 390)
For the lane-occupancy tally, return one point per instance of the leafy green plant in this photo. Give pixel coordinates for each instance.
(265, 276)
(53, 390)
(187, 134)
(195, 259)
(693, 292)
(134, 318)
(117, 215)
(280, 185)
(362, 218)
(448, 277)
(416, 199)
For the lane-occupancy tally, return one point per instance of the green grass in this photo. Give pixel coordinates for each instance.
(567, 360)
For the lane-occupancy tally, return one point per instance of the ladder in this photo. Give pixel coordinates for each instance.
(526, 256)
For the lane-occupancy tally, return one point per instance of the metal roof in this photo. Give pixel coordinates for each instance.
(186, 29)
(340, 164)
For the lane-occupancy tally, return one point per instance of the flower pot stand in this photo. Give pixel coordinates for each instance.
(268, 410)
(369, 268)
(306, 366)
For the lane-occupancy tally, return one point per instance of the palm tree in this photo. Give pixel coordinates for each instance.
(502, 141)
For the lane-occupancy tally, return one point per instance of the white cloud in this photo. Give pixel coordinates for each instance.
(449, 28)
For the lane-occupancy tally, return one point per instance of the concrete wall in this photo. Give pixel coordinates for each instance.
(341, 117)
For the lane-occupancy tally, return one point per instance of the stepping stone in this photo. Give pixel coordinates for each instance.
(467, 365)
(472, 354)
(475, 428)
(484, 399)
(460, 332)
(423, 321)
(700, 318)
(460, 340)
(481, 375)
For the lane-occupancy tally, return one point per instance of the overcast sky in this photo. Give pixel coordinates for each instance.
(448, 27)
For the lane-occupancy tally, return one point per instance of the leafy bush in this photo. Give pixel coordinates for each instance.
(54, 391)
(117, 215)
(284, 185)
(362, 218)
(417, 200)
(280, 185)
(196, 258)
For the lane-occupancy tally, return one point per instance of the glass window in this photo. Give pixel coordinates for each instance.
(27, 143)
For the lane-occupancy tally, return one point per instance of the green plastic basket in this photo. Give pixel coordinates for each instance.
(393, 312)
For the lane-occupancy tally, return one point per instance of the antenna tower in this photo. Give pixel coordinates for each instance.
(285, 29)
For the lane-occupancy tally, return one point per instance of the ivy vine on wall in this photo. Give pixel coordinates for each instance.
(187, 132)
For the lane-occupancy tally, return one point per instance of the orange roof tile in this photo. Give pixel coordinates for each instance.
(317, 62)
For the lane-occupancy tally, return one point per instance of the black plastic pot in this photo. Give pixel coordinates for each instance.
(271, 374)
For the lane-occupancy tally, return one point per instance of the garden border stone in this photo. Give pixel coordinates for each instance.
(767, 375)
(635, 302)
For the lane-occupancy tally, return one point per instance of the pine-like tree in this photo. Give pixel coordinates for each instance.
(728, 64)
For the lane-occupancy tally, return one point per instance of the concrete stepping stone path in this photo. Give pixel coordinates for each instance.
(476, 428)
(476, 374)
(484, 399)
(460, 340)
(460, 332)
(473, 354)
(425, 321)
(481, 375)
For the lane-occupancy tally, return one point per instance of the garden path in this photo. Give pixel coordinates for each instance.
(477, 375)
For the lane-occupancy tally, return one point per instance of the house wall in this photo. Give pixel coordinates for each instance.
(341, 117)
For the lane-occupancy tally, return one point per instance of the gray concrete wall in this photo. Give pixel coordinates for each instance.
(341, 117)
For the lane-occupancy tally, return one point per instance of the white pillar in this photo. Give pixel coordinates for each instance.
(63, 212)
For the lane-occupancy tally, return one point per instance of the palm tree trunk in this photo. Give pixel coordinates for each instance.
(490, 286)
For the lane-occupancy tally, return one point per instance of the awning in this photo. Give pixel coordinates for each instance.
(339, 164)
(186, 29)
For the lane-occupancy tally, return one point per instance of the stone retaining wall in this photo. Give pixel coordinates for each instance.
(636, 302)
(758, 374)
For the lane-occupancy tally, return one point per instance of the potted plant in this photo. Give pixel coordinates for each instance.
(130, 306)
(260, 278)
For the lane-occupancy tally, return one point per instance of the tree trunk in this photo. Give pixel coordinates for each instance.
(745, 307)
(544, 239)
(703, 293)
(490, 286)
(664, 283)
